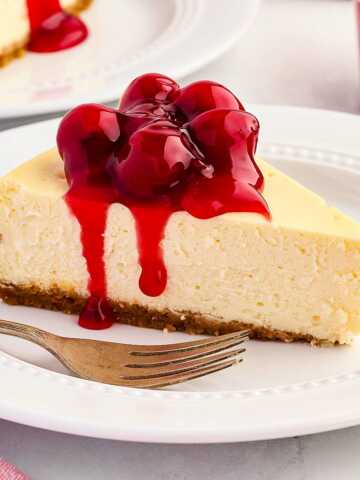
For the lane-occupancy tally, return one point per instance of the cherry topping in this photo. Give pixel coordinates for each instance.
(202, 96)
(86, 140)
(158, 158)
(151, 88)
(165, 150)
(227, 139)
(210, 197)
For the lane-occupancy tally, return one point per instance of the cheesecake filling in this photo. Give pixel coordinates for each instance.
(165, 149)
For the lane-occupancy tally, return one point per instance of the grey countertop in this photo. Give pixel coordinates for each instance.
(55, 456)
(299, 52)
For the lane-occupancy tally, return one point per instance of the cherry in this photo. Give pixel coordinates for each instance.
(151, 88)
(157, 160)
(202, 96)
(86, 139)
(227, 140)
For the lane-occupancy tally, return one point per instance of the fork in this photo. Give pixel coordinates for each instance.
(139, 366)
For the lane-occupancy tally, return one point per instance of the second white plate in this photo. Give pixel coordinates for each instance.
(127, 38)
(279, 390)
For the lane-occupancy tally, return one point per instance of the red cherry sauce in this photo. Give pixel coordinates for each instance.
(165, 149)
(51, 28)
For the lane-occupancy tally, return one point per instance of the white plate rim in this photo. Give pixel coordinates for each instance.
(207, 417)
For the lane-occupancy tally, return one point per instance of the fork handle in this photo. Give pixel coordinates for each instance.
(27, 332)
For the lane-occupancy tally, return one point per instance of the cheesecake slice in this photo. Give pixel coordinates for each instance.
(157, 214)
(16, 25)
(294, 278)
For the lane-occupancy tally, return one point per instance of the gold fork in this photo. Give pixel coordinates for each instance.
(139, 366)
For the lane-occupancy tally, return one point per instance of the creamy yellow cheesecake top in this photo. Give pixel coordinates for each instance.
(291, 204)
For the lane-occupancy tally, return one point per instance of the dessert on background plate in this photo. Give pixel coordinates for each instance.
(41, 26)
(156, 214)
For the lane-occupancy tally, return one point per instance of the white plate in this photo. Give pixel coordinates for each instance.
(280, 390)
(128, 38)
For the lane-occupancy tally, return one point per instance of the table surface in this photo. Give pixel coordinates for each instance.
(299, 52)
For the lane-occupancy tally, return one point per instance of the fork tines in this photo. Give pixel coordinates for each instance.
(162, 365)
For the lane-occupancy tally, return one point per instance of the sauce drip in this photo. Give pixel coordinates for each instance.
(165, 149)
(51, 28)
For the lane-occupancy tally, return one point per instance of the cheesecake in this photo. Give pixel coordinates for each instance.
(39, 25)
(157, 214)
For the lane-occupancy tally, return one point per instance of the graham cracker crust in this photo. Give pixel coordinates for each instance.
(141, 316)
(79, 6)
(18, 49)
(15, 51)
